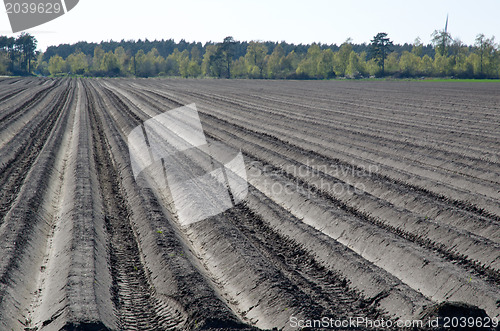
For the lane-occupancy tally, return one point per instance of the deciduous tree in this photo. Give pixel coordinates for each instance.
(441, 39)
(78, 63)
(325, 64)
(418, 47)
(255, 59)
(408, 64)
(207, 65)
(109, 65)
(97, 59)
(485, 48)
(57, 65)
(356, 67)
(275, 63)
(341, 59)
(308, 67)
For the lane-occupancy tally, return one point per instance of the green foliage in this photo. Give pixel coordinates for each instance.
(257, 59)
(325, 64)
(183, 65)
(123, 60)
(196, 54)
(194, 69)
(26, 43)
(18, 54)
(381, 47)
(485, 49)
(172, 63)
(308, 67)
(109, 65)
(239, 69)
(409, 64)
(218, 60)
(57, 65)
(78, 63)
(426, 66)
(357, 67)
(224, 56)
(274, 62)
(442, 66)
(97, 59)
(341, 59)
(4, 62)
(391, 64)
(290, 63)
(372, 67)
(207, 65)
(441, 39)
(418, 47)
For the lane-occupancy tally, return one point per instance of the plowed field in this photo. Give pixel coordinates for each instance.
(378, 200)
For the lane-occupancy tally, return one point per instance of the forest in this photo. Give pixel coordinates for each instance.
(443, 57)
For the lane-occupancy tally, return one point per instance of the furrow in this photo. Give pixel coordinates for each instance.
(27, 224)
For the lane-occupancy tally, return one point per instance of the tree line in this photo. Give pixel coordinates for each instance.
(17, 54)
(229, 58)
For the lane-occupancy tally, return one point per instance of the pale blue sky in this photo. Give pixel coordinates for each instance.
(304, 21)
